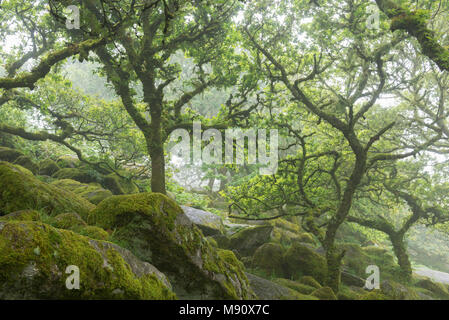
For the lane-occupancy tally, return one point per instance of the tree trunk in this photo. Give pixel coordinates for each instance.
(333, 261)
(399, 248)
(155, 145)
(157, 168)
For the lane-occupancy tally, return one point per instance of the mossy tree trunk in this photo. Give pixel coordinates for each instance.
(400, 250)
(333, 261)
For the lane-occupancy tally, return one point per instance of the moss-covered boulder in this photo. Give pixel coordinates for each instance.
(347, 293)
(92, 191)
(75, 174)
(437, 289)
(34, 258)
(94, 232)
(20, 190)
(324, 293)
(295, 285)
(68, 162)
(208, 222)
(269, 259)
(310, 281)
(246, 241)
(306, 238)
(373, 295)
(351, 280)
(300, 260)
(269, 290)
(156, 229)
(119, 185)
(22, 215)
(222, 240)
(27, 163)
(358, 258)
(70, 221)
(10, 155)
(48, 167)
(396, 291)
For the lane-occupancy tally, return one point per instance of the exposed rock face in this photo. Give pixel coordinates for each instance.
(209, 223)
(156, 229)
(20, 190)
(34, 257)
(268, 290)
(246, 241)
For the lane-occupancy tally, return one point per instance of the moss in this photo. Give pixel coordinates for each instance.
(22, 215)
(67, 162)
(373, 295)
(226, 263)
(221, 240)
(248, 240)
(92, 191)
(297, 286)
(118, 185)
(324, 293)
(75, 174)
(295, 295)
(20, 190)
(67, 184)
(212, 241)
(300, 260)
(27, 163)
(306, 238)
(437, 289)
(34, 257)
(48, 167)
(156, 229)
(286, 225)
(7, 154)
(269, 258)
(415, 23)
(396, 291)
(115, 210)
(94, 233)
(95, 195)
(356, 260)
(345, 293)
(112, 183)
(70, 221)
(310, 281)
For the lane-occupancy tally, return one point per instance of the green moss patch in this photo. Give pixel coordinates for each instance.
(34, 258)
(20, 190)
(156, 229)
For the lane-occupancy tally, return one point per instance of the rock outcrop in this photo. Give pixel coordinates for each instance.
(34, 259)
(156, 229)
